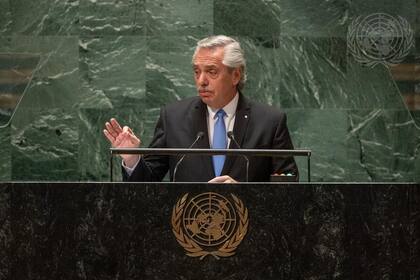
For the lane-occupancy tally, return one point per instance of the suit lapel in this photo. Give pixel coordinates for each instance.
(239, 130)
(199, 120)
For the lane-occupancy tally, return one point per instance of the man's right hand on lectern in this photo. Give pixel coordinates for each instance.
(122, 138)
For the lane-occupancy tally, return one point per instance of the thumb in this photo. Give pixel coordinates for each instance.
(133, 138)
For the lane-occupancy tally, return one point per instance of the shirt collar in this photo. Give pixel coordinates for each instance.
(229, 109)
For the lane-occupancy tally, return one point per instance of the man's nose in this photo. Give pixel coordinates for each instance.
(202, 79)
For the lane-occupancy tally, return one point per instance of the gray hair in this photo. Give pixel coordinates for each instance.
(233, 56)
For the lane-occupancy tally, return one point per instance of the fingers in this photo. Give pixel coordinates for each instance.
(118, 136)
(111, 130)
(109, 136)
(133, 138)
(129, 130)
(225, 179)
(115, 125)
(114, 129)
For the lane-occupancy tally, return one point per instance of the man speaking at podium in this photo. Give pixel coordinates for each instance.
(220, 117)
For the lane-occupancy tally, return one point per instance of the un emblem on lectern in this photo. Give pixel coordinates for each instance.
(209, 224)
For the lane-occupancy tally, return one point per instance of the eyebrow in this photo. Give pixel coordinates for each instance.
(212, 66)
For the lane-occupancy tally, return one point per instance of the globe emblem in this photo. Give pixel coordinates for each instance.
(209, 224)
(209, 219)
(379, 38)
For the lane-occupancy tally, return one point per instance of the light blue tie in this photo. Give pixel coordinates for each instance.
(219, 141)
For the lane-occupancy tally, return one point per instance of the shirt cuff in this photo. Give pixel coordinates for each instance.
(130, 170)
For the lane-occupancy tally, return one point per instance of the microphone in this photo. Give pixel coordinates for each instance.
(200, 135)
(232, 138)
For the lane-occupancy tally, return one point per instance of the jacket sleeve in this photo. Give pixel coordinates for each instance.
(282, 140)
(152, 168)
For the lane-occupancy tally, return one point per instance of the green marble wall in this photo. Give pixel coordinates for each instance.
(126, 58)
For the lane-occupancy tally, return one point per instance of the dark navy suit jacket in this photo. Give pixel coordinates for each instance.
(257, 126)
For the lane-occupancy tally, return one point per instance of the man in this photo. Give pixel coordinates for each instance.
(205, 121)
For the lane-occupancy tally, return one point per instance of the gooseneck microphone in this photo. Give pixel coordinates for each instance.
(232, 138)
(200, 135)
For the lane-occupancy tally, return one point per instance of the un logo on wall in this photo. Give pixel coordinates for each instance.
(209, 224)
(379, 39)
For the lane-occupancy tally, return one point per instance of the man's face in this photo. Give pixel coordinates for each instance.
(216, 83)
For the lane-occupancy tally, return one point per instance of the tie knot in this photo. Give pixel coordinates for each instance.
(221, 114)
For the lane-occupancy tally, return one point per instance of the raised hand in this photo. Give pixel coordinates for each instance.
(122, 138)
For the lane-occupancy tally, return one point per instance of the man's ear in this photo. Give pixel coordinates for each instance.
(236, 76)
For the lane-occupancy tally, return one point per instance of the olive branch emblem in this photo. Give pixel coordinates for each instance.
(193, 248)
